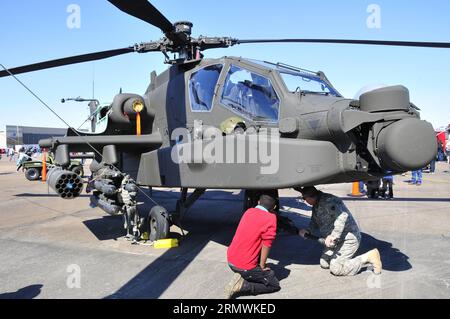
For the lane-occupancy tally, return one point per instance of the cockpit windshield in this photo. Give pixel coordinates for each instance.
(296, 81)
(251, 95)
(300, 80)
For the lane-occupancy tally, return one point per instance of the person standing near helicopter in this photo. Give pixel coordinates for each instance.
(447, 152)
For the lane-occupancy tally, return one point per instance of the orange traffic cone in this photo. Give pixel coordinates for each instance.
(355, 190)
(44, 166)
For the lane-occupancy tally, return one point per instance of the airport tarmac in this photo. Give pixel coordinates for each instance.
(55, 248)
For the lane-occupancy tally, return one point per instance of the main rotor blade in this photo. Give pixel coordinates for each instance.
(342, 41)
(145, 11)
(66, 61)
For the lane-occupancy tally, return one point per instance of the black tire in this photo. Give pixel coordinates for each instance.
(32, 174)
(159, 223)
(250, 199)
(78, 170)
(239, 129)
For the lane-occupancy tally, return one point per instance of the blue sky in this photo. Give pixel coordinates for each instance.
(32, 31)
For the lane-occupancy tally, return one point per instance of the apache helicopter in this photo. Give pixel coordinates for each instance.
(321, 137)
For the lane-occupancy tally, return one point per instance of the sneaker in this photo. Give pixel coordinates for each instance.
(418, 184)
(234, 286)
(375, 259)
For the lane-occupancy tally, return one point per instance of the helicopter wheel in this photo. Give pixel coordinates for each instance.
(250, 199)
(32, 174)
(239, 129)
(159, 223)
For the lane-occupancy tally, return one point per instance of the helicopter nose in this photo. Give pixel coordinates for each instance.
(408, 144)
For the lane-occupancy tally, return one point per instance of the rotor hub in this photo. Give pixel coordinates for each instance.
(183, 27)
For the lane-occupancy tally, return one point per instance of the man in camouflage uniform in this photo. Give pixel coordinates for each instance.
(334, 222)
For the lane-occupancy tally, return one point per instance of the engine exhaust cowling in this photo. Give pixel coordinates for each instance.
(67, 184)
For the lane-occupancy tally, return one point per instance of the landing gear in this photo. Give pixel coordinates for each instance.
(159, 223)
(154, 226)
(251, 198)
(184, 203)
(159, 220)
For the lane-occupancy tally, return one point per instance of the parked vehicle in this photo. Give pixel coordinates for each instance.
(33, 168)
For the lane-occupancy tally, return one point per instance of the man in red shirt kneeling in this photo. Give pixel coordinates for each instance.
(248, 252)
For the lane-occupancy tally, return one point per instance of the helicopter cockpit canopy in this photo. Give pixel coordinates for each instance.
(251, 95)
(297, 79)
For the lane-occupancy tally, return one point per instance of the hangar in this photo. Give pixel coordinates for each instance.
(14, 135)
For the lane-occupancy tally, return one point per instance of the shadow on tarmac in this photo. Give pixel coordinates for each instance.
(205, 223)
(7, 173)
(106, 227)
(393, 259)
(28, 292)
(43, 195)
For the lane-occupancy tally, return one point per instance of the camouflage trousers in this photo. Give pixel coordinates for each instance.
(340, 259)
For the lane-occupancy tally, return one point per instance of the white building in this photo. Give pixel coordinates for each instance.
(2, 139)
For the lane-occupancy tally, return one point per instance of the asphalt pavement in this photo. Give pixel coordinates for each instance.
(55, 248)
